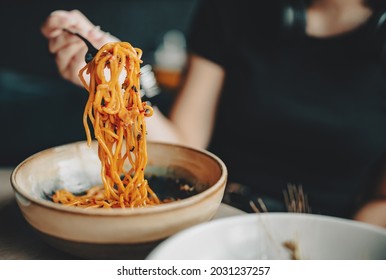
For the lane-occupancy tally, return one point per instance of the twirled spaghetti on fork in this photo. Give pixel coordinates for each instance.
(117, 115)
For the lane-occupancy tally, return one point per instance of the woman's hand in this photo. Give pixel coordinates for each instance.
(69, 50)
(374, 210)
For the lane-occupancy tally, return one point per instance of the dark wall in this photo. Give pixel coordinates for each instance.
(38, 109)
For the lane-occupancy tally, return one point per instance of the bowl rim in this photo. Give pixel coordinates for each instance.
(262, 217)
(161, 208)
(298, 216)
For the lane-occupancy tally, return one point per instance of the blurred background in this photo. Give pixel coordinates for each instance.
(38, 109)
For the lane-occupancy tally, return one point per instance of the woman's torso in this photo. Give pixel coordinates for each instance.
(302, 111)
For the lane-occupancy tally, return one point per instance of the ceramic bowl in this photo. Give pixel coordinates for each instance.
(271, 235)
(114, 233)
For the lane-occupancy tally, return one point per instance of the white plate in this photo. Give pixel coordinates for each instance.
(261, 236)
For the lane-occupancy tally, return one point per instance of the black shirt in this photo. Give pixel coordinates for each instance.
(300, 110)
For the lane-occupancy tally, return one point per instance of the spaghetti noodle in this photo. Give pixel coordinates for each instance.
(117, 115)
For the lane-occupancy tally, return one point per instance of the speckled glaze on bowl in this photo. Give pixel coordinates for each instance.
(76, 167)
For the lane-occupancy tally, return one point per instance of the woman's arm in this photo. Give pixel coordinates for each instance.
(193, 113)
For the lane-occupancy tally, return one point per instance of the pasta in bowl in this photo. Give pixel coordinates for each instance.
(199, 181)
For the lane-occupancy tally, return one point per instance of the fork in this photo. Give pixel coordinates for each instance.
(91, 52)
(296, 200)
(149, 85)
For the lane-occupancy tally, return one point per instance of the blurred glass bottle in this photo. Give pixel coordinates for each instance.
(170, 59)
